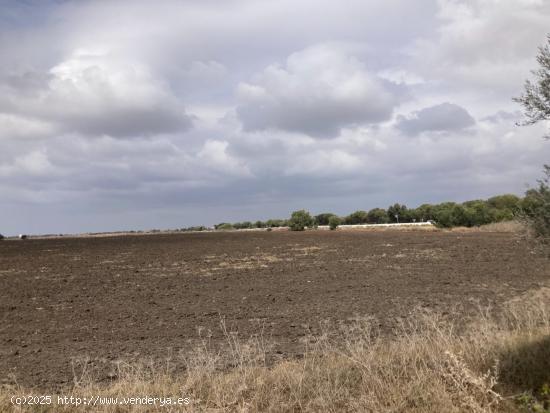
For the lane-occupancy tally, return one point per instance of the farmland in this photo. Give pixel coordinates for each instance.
(154, 296)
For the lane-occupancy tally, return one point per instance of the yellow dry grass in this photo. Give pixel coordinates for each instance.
(505, 226)
(432, 364)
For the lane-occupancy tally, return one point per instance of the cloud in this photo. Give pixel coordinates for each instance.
(93, 93)
(215, 155)
(318, 91)
(20, 127)
(483, 45)
(116, 115)
(34, 164)
(445, 117)
(504, 116)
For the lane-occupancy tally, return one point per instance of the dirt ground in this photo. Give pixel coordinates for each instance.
(71, 302)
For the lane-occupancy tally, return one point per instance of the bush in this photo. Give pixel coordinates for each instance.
(333, 222)
(536, 207)
(323, 219)
(358, 217)
(377, 216)
(398, 213)
(507, 201)
(242, 225)
(1, 236)
(275, 223)
(299, 220)
(224, 226)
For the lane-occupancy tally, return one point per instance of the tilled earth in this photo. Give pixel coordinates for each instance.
(68, 303)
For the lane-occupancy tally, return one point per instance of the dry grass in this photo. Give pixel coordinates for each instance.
(433, 365)
(505, 226)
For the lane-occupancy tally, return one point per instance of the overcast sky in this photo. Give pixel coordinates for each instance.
(142, 114)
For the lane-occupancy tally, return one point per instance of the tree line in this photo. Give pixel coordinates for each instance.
(447, 214)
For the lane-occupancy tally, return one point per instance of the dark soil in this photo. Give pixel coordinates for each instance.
(68, 303)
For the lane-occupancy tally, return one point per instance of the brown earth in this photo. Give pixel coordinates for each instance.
(70, 304)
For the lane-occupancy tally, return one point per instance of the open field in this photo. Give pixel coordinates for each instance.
(69, 302)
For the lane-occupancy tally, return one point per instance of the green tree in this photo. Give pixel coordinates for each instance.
(377, 216)
(323, 219)
(223, 226)
(275, 223)
(398, 213)
(536, 206)
(536, 104)
(242, 225)
(425, 212)
(536, 97)
(508, 202)
(334, 221)
(357, 217)
(299, 220)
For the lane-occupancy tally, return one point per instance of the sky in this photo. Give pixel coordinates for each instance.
(130, 114)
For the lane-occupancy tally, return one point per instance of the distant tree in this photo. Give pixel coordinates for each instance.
(377, 216)
(334, 221)
(508, 202)
(357, 217)
(1, 237)
(198, 228)
(242, 225)
(223, 226)
(460, 216)
(425, 212)
(260, 224)
(398, 213)
(323, 219)
(274, 223)
(536, 97)
(299, 220)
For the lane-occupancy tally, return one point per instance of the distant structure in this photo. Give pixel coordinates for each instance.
(22, 236)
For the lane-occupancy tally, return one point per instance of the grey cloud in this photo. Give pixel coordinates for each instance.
(319, 91)
(503, 116)
(74, 71)
(94, 93)
(445, 117)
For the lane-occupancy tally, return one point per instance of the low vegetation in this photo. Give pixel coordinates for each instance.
(499, 361)
(300, 220)
(537, 210)
(446, 215)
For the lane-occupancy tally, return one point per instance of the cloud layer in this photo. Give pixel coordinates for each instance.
(127, 115)
(444, 117)
(319, 91)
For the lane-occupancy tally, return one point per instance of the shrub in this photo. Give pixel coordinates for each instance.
(224, 226)
(242, 225)
(377, 216)
(357, 217)
(398, 213)
(536, 207)
(507, 201)
(324, 218)
(299, 220)
(333, 222)
(275, 223)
